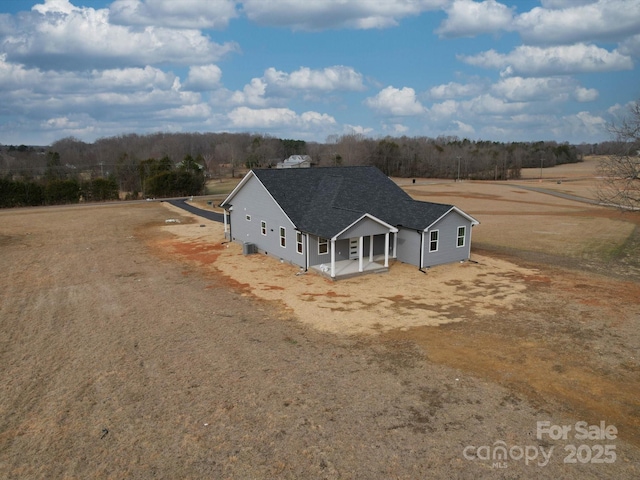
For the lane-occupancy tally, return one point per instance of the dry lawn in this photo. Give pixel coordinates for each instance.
(361, 305)
(133, 348)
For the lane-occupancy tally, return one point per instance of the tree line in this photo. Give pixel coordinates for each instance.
(220, 154)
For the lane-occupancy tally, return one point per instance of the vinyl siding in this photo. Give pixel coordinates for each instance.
(342, 251)
(255, 201)
(364, 227)
(448, 251)
(409, 246)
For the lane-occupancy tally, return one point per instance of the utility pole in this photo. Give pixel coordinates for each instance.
(458, 157)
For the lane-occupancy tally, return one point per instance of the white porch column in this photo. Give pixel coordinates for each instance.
(370, 248)
(225, 222)
(360, 248)
(386, 249)
(333, 258)
(395, 245)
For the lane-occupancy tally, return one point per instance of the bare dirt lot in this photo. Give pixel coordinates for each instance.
(132, 348)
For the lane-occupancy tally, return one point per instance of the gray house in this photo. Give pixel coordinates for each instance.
(296, 161)
(343, 221)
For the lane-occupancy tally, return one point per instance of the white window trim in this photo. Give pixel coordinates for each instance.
(437, 240)
(263, 228)
(247, 218)
(283, 238)
(464, 236)
(299, 243)
(326, 242)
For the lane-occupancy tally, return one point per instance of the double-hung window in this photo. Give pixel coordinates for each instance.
(263, 228)
(461, 236)
(323, 246)
(283, 237)
(299, 242)
(433, 240)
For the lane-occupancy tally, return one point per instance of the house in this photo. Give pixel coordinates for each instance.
(295, 161)
(343, 221)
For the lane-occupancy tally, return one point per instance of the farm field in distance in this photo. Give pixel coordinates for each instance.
(132, 348)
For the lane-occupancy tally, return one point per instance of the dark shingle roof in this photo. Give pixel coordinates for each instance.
(324, 201)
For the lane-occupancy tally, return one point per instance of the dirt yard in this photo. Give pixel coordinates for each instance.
(134, 348)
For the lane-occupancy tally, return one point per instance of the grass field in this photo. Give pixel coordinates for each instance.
(136, 348)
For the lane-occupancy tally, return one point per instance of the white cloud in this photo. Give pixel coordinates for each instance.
(186, 112)
(580, 22)
(455, 90)
(15, 76)
(396, 102)
(490, 105)
(57, 35)
(203, 78)
(324, 14)
(586, 94)
(337, 77)
(569, 59)
(518, 89)
(174, 13)
(253, 94)
(463, 129)
(398, 128)
(584, 124)
(466, 18)
(266, 118)
(102, 94)
(444, 110)
(631, 46)
(565, 3)
(57, 6)
(275, 85)
(311, 119)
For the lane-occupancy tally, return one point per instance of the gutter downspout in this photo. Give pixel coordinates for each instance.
(230, 234)
(306, 252)
(421, 250)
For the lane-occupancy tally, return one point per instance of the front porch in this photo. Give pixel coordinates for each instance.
(351, 268)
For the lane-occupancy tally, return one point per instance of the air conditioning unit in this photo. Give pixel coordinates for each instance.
(248, 248)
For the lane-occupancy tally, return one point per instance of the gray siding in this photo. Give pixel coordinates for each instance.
(378, 245)
(314, 258)
(448, 251)
(342, 251)
(254, 200)
(364, 227)
(409, 246)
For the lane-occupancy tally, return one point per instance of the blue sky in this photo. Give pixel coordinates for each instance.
(313, 69)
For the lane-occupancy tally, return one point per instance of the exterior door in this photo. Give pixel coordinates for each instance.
(353, 248)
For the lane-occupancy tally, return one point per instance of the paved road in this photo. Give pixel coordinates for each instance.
(182, 203)
(566, 196)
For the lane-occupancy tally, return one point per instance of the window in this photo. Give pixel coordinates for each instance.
(283, 237)
(248, 218)
(461, 235)
(323, 246)
(433, 241)
(299, 242)
(263, 228)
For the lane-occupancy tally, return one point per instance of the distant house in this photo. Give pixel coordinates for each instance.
(343, 221)
(295, 161)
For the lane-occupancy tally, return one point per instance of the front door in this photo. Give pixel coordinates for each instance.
(353, 249)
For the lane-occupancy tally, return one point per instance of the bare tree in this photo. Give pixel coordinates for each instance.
(620, 173)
